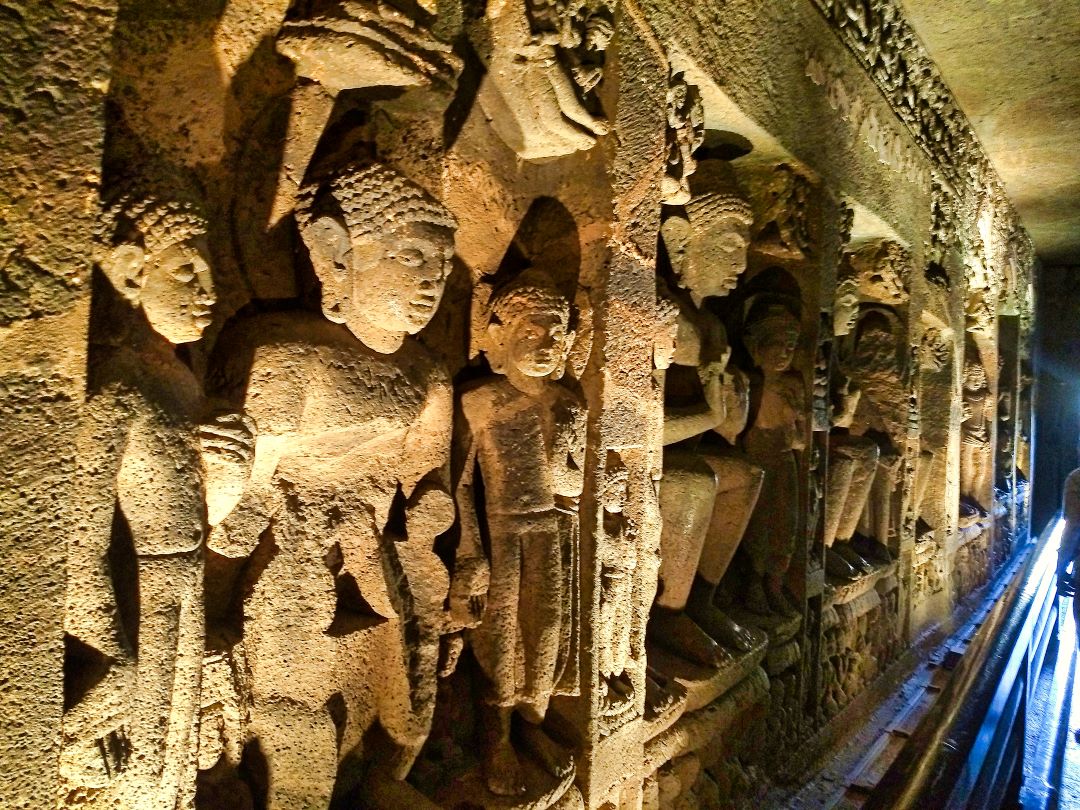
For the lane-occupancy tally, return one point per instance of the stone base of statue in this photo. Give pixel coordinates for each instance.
(702, 685)
(696, 730)
(544, 791)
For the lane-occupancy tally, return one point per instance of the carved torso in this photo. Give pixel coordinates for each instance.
(154, 402)
(332, 414)
(524, 445)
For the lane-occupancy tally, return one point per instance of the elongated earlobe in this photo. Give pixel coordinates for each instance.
(124, 266)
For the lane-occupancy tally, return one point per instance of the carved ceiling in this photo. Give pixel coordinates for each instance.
(1014, 68)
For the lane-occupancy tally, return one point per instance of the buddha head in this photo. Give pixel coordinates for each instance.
(157, 259)
(771, 336)
(528, 332)
(708, 245)
(381, 247)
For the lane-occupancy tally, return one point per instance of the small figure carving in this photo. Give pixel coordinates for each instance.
(346, 491)
(776, 434)
(784, 228)
(529, 94)
(523, 436)
(975, 466)
(685, 133)
(617, 609)
(706, 494)
(128, 739)
(883, 272)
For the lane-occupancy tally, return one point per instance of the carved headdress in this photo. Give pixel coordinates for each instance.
(145, 218)
(372, 198)
(715, 193)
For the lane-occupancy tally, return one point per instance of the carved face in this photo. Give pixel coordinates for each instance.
(772, 344)
(393, 280)
(717, 257)
(173, 286)
(536, 343)
(846, 308)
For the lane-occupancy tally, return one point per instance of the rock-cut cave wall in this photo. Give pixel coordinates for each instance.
(518, 404)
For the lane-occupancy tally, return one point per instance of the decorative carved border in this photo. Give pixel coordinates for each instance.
(897, 62)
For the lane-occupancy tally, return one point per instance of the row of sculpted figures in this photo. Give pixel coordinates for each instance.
(295, 546)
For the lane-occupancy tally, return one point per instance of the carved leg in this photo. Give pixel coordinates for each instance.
(299, 742)
(841, 470)
(739, 484)
(863, 456)
(541, 612)
(502, 769)
(168, 672)
(687, 496)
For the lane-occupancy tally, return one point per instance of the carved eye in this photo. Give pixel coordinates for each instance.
(410, 257)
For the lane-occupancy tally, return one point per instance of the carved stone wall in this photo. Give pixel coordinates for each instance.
(523, 405)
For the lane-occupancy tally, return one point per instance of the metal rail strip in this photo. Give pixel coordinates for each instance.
(969, 752)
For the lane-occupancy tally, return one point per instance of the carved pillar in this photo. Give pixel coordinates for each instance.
(625, 431)
(56, 60)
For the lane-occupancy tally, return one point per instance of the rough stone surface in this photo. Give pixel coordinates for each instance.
(520, 405)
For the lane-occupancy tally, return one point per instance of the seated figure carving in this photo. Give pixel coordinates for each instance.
(338, 511)
(708, 490)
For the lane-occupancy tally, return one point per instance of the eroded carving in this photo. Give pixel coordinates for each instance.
(544, 59)
(346, 490)
(134, 612)
(523, 439)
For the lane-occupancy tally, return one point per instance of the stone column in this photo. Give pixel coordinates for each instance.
(55, 61)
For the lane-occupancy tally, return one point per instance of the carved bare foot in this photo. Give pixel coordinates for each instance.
(779, 602)
(853, 557)
(871, 549)
(677, 632)
(553, 758)
(661, 694)
(502, 770)
(836, 566)
(756, 601)
(729, 632)
(618, 694)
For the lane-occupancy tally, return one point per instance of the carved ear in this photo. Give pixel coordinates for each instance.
(329, 247)
(327, 240)
(124, 266)
(675, 231)
(492, 346)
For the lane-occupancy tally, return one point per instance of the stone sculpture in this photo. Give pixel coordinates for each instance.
(128, 738)
(685, 133)
(541, 58)
(869, 442)
(975, 458)
(706, 494)
(776, 434)
(522, 434)
(346, 492)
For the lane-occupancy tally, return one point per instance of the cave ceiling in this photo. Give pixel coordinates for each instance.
(1014, 68)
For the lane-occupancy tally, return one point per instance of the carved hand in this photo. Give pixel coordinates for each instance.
(228, 451)
(429, 511)
(468, 591)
